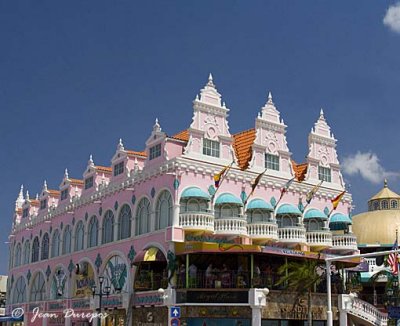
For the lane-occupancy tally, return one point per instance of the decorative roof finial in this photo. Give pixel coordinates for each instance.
(156, 127)
(270, 98)
(321, 114)
(45, 185)
(210, 80)
(66, 173)
(21, 192)
(27, 195)
(90, 162)
(120, 146)
(385, 183)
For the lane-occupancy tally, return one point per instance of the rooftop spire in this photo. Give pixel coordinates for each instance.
(27, 195)
(66, 173)
(209, 94)
(90, 162)
(385, 183)
(321, 127)
(120, 145)
(210, 80)
(20, 198)
(45, 185)
(269, 111)
(270, 98)
(156, 126)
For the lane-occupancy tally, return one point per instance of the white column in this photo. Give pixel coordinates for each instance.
(256, 316)
(175, 215)
(343, 317)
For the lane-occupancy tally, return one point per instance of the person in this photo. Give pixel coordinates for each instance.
(182, 275)
(193, 275)
(209, 276)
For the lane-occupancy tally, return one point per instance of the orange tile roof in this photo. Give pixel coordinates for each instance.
(242, 143)
(34, 202)
(76, 182)
(300, 170)
(105, 169)
(183, 135)
(54, 193)
(133, 153)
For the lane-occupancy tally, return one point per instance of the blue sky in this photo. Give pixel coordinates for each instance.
(75, 76)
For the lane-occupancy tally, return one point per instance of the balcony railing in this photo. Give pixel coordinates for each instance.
(230, 226)
(267, 231)
(197, 221)
(292, 235)
(368, 312)
(319, 238)
(344, 242)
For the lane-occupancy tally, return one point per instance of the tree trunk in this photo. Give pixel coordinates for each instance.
(309, 308)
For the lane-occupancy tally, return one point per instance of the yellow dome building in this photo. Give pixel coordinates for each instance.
(377, 227)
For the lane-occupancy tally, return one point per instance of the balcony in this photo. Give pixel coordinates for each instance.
(319, 239)
(292, 235)
(263, 232)
(364, 311)
(230, 226)
(344, 242)
(197, 221)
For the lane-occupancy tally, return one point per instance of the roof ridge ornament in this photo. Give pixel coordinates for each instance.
(120, 146)
(27, 195)
(269, 112)
(90, 162)
(156, 127)
(66, 176)
(45, 185)
(385, 183)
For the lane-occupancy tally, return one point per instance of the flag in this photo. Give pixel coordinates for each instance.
(286, 187)
(256, 181)
(312, 192)
(393, 260)
(335, 201)
(218, 176)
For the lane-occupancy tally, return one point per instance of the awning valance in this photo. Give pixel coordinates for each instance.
(228, 199)
(314, 213)
(150, 254)
(288, 209)
(259, 204)
(194, 192)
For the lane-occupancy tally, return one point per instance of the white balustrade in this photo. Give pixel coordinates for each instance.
(368, 312)
(292, 235)
(230, 226)
(319, 238)
(344, 242)
(201, 221)
(263, 231)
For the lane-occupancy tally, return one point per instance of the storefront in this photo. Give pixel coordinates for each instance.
(150, 316)
(216, 316)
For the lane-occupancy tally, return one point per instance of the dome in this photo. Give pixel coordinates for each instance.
(315, 213)
(288, 209)
(194, 192)
(259, 204)
(376, 227)
(228, 199)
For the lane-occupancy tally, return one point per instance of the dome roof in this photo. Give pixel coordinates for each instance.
(376, 227)
(194, 192)
(259, 204)
(385, 193)
(227, 198)
(288, 209)
(315, 213)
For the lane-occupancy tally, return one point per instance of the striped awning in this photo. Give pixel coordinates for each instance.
(194, 192)
(315, 213)
(228, 199)
(288, 209)
(259, 204)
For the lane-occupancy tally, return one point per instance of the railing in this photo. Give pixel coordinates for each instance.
(201, 221)
(147, 280)
(319, 238)
(263, 231)
(344, 242)
(232, 226)
(368, 312)
(292, 235)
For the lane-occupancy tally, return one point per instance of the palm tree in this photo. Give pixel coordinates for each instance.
(300, 277)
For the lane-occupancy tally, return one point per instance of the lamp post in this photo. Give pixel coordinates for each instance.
(103, 290)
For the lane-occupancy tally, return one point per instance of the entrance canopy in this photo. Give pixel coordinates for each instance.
(150, 254)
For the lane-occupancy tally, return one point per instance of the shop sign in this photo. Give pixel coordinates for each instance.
(83, 282)
(81, 304)
(190, 237)
(112, 301)
(55, 305)
(212, 297)
(148, 299)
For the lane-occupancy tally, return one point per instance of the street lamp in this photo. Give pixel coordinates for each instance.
(103, 290)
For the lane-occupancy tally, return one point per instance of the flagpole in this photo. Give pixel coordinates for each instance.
(222, 179)
(252, 190)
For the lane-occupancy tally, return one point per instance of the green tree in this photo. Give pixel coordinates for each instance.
(300, 277)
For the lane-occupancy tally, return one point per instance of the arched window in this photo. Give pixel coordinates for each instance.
(19, 291)
(194, 205)
(108, 227)
(314, 225)
(385, 204)
(286, 220)
(124, 222)
(67, 239)
(93, 232)
(38, 291)
(79, 234)
(376, 205)
(35, 250)
(258, 215)
(55, 244)
(164, 210)
(394, 204)
(17, 256)
(143, 217)
(45, 247)
(227, 210)
(27, 252)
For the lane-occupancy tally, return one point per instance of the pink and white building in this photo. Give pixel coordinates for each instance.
(154, 219)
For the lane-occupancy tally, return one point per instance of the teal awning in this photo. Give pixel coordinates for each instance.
(288, 209)
(228, 199)
(315, 213)
(194, 192)
(340, 218)
(259, 204)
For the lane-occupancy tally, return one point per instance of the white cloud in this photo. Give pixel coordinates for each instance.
(392, 18)
(368, 166)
